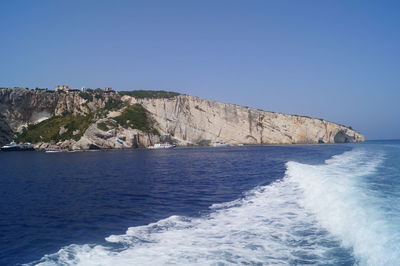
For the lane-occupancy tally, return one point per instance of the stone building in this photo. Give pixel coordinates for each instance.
(65, 88)
(108, 89)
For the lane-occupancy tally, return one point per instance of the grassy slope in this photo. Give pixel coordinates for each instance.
(48, 130)
(136, 116)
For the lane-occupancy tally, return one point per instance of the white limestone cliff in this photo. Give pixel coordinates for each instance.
(192, 119)
(183, 119)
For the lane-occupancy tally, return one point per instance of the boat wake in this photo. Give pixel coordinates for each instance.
(317, 214)
(345, 202)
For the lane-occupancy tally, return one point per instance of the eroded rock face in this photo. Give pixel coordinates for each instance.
(342, 137)
(5, 132)
(195, 120)
(116, 137)
(184, 120)
(21, 106)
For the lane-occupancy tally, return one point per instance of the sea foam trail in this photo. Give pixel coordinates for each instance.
(338, 194)
(314, 215)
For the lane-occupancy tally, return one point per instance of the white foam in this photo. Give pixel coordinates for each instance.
(282, 223)
(267, 226)
(337, 192)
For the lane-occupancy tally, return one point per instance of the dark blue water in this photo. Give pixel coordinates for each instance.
(76, 200)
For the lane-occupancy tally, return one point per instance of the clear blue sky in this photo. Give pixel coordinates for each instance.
(338, 60)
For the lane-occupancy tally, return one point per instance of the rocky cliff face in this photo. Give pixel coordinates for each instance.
(19, 107)
(195, 120)
(183, 119)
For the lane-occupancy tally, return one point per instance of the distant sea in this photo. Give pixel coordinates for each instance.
(250, 205)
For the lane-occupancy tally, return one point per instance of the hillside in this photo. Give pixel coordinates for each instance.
(98, 119)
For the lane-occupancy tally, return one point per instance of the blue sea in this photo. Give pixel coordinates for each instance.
(249, 205)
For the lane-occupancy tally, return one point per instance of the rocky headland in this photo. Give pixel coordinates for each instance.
(97, 119)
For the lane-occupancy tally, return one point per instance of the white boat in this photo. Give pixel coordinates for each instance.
(17, 147)
(220, 144)
(162, 145)
(56, 151)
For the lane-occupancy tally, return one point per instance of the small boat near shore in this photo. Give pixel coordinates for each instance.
(220, 144)
(56, 151)
(17, 147)
(162, 145)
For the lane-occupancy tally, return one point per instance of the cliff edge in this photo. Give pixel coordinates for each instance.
(98, 119)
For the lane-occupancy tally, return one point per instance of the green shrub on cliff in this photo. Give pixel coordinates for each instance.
(99, 95)
(107, 125)
(86, 96)
(113, 104)
(136, 116)
(49, 129)
(149, 94)
(102, 126)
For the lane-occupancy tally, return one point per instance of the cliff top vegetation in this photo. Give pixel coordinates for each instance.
(149, 94)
